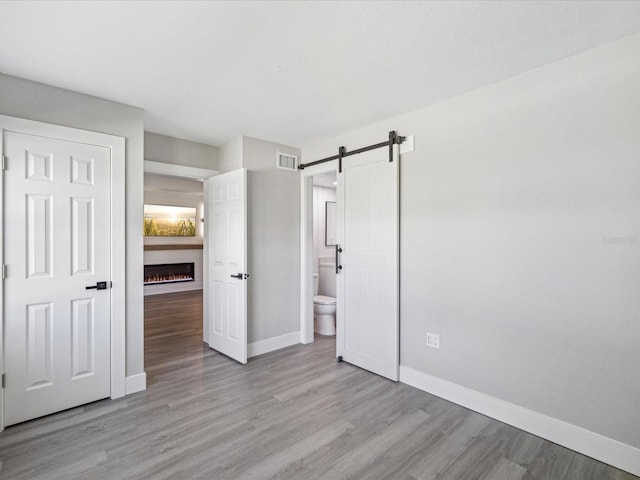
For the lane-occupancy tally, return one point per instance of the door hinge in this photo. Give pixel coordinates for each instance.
(4, 271)
(3, 380)
(4, 162)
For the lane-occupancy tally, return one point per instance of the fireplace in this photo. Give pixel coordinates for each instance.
(168, 273)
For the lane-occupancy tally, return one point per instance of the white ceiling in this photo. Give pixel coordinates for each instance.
(291, 71)
(325, 179)
(168, 184)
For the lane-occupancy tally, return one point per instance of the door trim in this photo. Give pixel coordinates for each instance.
(175, 170)
(306, 246)
(118, 238)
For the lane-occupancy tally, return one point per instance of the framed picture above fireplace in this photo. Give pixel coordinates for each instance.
(169, 221)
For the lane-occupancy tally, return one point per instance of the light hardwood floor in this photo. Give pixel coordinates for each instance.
(290, 414)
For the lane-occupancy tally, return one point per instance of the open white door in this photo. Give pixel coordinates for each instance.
(367, 284)
(225, 289)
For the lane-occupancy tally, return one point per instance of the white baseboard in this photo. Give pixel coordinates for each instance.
(273, 343)
(135, 383)
(604, 449)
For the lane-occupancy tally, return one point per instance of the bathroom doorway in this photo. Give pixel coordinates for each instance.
(318, 269)
(324, 254)
(367, 256)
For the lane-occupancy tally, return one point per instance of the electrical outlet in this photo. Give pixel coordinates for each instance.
(433, 340)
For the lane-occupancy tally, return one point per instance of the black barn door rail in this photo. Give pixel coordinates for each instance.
(394, 139)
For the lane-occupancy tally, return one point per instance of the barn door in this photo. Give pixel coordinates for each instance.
(367, 282)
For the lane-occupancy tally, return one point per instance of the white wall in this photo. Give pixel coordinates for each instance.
(274, 241)
(161, 148)
(520, 234)
(321, 195)
(44, 103)
(230, 155)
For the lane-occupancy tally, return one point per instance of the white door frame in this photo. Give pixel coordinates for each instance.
(306, 246)
(192, 173)
(118, 239)
(183, 171)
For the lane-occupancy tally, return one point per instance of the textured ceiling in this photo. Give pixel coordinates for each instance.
(291, 71)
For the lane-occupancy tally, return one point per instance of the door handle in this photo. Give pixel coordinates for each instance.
(338, 252)
(241, 276)
(98, 286)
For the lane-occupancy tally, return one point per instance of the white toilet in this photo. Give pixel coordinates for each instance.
(324, 306)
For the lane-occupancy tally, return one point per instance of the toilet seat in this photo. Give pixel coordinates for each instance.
(324, 300)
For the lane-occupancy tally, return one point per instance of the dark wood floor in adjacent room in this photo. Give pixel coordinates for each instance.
(290, 414)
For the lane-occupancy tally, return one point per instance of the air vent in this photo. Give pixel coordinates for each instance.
(286, 161)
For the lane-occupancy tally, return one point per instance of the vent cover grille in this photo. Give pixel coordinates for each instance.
(287, 161)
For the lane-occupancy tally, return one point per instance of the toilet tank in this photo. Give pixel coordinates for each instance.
(327, 280)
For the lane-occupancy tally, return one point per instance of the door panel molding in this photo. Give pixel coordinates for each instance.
(367, 322)
(82, 172)
(225, 255)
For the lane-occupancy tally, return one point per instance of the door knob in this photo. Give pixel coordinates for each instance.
(98, 286)
(241, 276)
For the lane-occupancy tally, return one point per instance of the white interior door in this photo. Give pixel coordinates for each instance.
(226, 275)
(367, 285)
(57, 242)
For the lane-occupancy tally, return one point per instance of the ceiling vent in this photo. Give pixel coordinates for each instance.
(286, 161)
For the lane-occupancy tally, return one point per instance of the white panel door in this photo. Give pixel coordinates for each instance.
(226, 256)
(367, 285)
(57, 241)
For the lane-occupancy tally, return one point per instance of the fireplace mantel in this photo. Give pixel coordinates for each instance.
(174, 246)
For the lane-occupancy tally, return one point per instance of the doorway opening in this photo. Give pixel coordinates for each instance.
(324, 254)
(173, 264)
(318, 269)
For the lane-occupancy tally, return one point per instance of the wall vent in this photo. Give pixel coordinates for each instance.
(286, 161)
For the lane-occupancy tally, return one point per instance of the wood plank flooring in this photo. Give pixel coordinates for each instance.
(290, 414)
